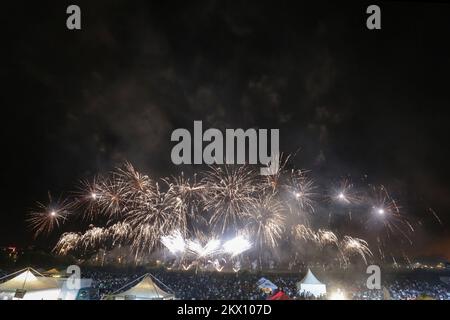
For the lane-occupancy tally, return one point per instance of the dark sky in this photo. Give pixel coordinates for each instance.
(354, 101)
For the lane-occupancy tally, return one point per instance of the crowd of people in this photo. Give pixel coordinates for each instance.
(243, 286)
(412, 289)
(405, 289)
(185, 285)
(107, 282)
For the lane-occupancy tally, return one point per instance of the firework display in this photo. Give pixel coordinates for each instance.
(225, 151)
(226, 212)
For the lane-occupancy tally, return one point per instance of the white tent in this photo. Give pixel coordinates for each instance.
(28, 286)
(310, 285)
(144, 289)
(55, 273)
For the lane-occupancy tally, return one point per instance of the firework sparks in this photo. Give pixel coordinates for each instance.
(174, 242)
(93, 238)
(432, 212)
(236, 246)
(344, 193)
(322, 237)
(119, 232)
(266, 222)
(387, 212)
(303, 191)
(87, 197)
(273, 180)
(144, 239)
(67, 243)
(211, 248)
(153, 219)
(111, 197)
(358, 246)
(148, 214)
(325, 237)
(229, 195)
(187, 198)
(46, 218)
(136, 186)
(302, 232)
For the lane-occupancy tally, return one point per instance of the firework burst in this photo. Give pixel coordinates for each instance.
(152, 219)
(301, 192)
(174, 242)
(302, 232)
(46, 218)
(273, 181)
(326, 237)
(199, 251)
(351, 246)
(93, 238)
(187, 198)
(344, 193)
(68, 242)
(236, 246)
(386, 212)
(229, 202)
(229, 194)
(137, 187)
(119, 232)
(111, 198)
(86, 198)
(266, 221)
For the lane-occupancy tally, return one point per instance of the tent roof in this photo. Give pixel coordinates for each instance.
(53, 271)
(26, 280)
(310, 278)
(145, 289)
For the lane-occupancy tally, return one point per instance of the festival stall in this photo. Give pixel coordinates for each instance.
(144, 288)
(28, 284)
(54, 273)
(311, 286)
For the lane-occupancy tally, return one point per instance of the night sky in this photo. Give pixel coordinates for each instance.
(350, 101)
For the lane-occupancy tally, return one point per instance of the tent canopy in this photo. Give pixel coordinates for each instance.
(29, 284)
(27, 280)
(310, 278)
(310, 285)
(52, 271)
(145, 289)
